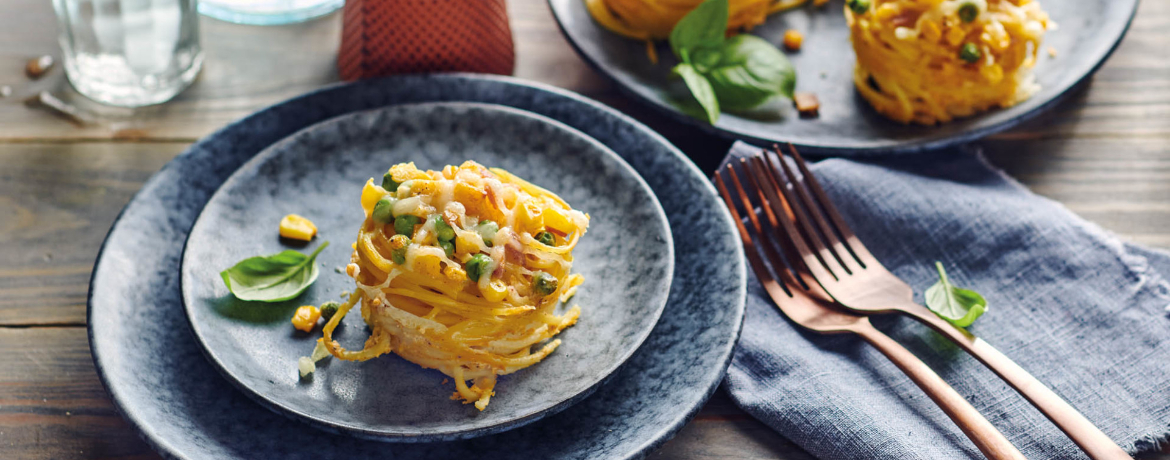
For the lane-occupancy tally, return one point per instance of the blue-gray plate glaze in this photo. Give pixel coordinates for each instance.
(626, 257)
(156, 373)
(1088, 32)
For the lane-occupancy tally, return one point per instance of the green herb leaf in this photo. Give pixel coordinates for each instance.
(274, 278)
(701, 89)
(958, 306)
(704, 27)
(750, 71)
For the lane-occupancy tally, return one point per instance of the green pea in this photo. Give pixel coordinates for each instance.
(968, 12)
(477, 266)
(328, 309)
(384, 210)
(404, 224)
(546, 238)
(970, 53)
(858, 6)
(398, 245)
(487, 230)
(389, 183)
(448, 247)
(443, 229)
(544, 283)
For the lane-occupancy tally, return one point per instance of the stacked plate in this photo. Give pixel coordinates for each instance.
(205, 376)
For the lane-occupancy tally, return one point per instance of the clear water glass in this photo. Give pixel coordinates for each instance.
(268, 12)
(130, 53)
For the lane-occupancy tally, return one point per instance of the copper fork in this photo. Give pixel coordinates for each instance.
(807, 305)
(846, 270)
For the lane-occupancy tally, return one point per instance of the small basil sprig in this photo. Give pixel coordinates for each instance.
(733, 74)
(958, 306)
(273, 278)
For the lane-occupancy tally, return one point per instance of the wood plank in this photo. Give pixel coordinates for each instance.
(52, 405)
(59, 201)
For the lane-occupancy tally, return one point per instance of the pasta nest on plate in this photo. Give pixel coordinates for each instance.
(931, 61)
(461, 270)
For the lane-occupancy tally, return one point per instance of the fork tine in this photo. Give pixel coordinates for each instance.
(812, 259)
(845, 234)
(769, 175)
(791, 255)
(785, 266)
(817, 224)
(785, 182)
(774, 288)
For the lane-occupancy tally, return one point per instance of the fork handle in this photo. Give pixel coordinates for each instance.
(985, 436)
(1096, 444)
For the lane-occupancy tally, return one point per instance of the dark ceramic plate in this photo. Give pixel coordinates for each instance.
(626, 258)
(1088, 32)
(155, 371)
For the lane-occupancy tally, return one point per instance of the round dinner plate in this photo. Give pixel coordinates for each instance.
(626, 257)
(156, 374)
(1089, 30)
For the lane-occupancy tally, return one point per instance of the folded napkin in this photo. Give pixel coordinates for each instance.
(1081, 310)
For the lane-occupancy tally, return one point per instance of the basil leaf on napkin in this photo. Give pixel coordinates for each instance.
(701, 89)
(750, 71)
(273, 278)
(704, 27)
(958, 306)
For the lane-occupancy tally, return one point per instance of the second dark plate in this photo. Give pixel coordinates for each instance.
(1088, 32)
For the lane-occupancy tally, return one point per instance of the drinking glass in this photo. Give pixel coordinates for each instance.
(267, 12)
(129, 53)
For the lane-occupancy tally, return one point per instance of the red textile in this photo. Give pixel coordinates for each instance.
(383, 37)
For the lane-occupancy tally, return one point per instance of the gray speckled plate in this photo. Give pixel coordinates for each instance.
(1088, 32)
(156, 374)
(626, 258)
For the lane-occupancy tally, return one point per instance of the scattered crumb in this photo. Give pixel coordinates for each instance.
(47, 101)
(346, 294)
(824, 75)
(5, 91)
(1051, 52)
(807, 104)
(68, 413)
(445, 381)
(37, 67)
(793, 40)
(339, 270)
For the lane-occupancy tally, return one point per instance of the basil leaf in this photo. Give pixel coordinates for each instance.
(701, 89)
(749, 72)
(273, 278)
(704, 26)
(958, 306)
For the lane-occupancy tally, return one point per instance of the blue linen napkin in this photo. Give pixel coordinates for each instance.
(1081, 310)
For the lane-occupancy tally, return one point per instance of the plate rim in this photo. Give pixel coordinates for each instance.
(316, 421)
(167, 450)
(913, 146)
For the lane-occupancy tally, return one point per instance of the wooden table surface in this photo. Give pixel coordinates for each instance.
(1105, 154)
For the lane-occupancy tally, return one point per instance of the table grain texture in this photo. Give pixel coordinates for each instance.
(1104, 153)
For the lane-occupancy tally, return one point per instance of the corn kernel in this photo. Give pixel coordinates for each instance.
(956, 35)
(931, 31)
(793, 40)
(296, 227)
(370, 195)
(306, 318)
(495, 291)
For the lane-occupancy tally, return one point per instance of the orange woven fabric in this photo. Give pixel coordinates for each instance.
(383, 37)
